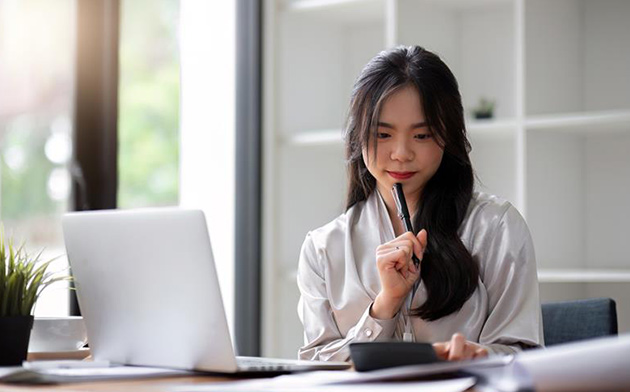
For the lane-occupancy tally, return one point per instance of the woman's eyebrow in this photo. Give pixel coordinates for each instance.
(385, 125)
(419, 125)
(390, 126)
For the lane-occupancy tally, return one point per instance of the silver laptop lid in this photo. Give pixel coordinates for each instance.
(148, 288)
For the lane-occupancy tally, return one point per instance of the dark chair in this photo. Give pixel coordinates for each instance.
(569, 321)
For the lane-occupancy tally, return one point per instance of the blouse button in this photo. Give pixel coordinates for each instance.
(368, 332)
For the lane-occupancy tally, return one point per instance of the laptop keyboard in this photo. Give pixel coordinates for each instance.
(264, 364)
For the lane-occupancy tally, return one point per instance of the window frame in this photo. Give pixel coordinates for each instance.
(94, 168)
(247, 323)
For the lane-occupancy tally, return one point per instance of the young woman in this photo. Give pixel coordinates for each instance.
(477, 288)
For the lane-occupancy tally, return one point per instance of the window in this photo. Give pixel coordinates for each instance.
(148, 104)
(36, 74)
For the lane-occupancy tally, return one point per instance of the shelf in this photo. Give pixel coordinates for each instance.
(329, 137)
(582, 123)
(569, 123)
(491, 127)
(583, 276)
(551, 276)
(462, 5)
(338, 11)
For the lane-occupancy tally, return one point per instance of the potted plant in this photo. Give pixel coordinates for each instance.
(485, 109)
(22, 280)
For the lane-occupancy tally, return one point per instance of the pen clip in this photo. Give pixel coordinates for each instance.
(396, 192)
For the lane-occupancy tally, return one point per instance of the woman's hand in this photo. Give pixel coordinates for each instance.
(397, 272)
(458, 348)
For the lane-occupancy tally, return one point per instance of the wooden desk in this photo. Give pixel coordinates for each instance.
(145, 385)
(149, 385)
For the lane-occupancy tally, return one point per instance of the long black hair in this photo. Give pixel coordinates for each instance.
(448, 270)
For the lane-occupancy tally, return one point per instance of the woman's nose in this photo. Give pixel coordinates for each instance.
(402, 151)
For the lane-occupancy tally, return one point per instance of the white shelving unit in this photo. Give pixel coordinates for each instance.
(584, 276)
(557, 147)
(585, 123)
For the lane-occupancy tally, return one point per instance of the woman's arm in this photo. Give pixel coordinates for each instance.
(514, 318)
(513, 321)
(323, 340)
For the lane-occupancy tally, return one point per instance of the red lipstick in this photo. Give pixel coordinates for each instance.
(401, 175)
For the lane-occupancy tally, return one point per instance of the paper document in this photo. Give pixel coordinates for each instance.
(307, 383)
(386, 379)
(594, 365)
(68, 375)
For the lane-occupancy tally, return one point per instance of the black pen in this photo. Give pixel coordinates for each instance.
(403, 213)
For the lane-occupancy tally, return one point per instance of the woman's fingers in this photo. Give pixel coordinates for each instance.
(395, 258)
(418, 242)
(480, 352)
(457, 346)
(401, 249)
(441, 350)
(397, 255)
(423, 240)
(414, 273)
(407, 245)
(413, 268)
(402, 265)
(417, 246)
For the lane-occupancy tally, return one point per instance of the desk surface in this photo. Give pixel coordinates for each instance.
(148, 385)
(152, 384)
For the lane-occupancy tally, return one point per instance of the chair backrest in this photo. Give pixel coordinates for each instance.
(569, 321)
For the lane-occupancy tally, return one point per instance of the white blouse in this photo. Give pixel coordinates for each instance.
(338, 282)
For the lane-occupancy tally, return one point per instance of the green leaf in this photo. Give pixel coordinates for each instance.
(23, 277)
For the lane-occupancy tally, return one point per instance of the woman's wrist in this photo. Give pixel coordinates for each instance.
(385, 308)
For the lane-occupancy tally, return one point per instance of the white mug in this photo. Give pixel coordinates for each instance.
(53, 334)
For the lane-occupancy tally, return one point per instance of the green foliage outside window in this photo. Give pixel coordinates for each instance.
(24, 186)
(148, 125)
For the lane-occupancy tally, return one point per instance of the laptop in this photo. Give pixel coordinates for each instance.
(148, 290)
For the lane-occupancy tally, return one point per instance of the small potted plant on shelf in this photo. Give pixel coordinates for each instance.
(22, 280)
(485, 109)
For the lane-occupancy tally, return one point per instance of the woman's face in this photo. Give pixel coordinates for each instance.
(406, 150)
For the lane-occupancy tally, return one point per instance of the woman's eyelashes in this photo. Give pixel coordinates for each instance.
(418, 136)
(423, 136)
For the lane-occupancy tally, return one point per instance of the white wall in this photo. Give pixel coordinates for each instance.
(554, 66)
(207, 155)
(606, 76)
